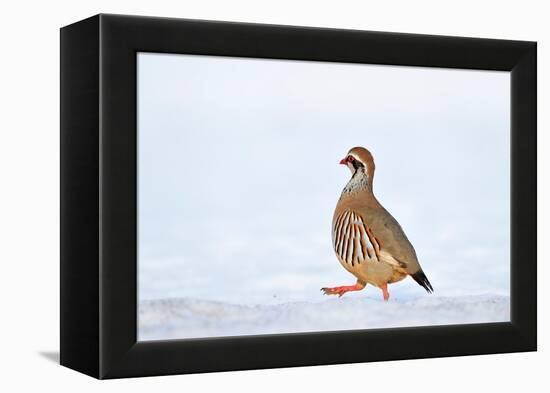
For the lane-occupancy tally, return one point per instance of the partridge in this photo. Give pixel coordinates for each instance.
(368, 241)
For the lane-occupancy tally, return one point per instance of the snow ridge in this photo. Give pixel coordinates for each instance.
(194, 318)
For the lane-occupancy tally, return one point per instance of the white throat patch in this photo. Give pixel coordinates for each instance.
(358, 181)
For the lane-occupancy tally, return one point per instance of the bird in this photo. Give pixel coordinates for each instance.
(368, 242)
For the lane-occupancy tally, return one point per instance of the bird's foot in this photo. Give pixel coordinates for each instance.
(342, 289)
(385, 292)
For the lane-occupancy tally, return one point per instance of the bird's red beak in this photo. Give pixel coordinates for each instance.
(343, 161)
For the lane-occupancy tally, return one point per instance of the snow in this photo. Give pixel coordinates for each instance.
(181, 318)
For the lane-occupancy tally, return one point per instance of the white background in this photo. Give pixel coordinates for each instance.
(29, 223)
(252, 146)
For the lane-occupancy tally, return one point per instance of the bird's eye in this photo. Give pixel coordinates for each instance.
(350, 158)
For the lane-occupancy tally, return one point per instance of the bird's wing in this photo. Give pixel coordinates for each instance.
(353, 239)
(395, 242)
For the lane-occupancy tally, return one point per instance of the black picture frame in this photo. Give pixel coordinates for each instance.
(98, 196)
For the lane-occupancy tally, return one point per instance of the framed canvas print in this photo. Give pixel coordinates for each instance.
(239, 196)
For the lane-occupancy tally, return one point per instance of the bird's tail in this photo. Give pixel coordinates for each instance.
(422, 280)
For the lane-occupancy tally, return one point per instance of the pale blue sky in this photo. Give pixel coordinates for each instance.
(239, 175)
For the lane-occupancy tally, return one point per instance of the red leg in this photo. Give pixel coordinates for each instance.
(385, 292)
(343, 289)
